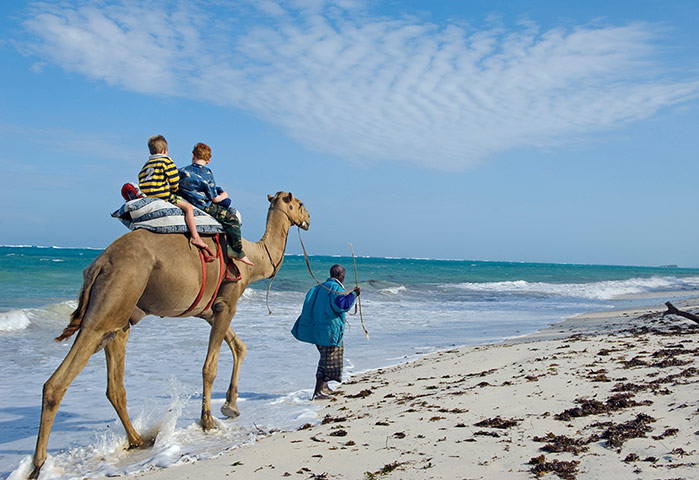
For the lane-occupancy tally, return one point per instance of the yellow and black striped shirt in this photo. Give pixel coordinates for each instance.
(159, 177)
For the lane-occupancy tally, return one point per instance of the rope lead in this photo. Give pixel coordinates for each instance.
(356, 279)
(359, 302)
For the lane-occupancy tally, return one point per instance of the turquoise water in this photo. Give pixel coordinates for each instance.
(36, 276)
(410, 306)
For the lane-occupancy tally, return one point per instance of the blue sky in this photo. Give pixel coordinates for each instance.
(489, 130)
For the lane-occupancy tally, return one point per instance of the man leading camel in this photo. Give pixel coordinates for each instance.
(322, 322)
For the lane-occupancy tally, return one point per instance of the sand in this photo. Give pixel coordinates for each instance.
(612, 395)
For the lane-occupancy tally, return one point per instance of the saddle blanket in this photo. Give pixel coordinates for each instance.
(160, 216)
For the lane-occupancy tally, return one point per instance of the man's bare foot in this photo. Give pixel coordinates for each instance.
(320, 396)
(245, 260)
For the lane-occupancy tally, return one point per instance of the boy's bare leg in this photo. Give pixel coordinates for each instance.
(188, 210)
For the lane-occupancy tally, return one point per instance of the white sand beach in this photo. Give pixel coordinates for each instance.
(610, 395)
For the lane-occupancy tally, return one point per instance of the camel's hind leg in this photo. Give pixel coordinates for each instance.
(87, 343)
(115, 351)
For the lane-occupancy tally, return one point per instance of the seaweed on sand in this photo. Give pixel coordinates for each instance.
(498, 422)
(617, 433)
(595, 407)
(563, 469)
(562, 443)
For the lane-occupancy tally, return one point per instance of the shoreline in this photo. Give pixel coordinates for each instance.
(488, 410)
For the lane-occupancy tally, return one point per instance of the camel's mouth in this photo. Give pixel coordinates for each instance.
(304, 225)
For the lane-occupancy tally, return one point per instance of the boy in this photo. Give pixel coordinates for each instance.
(159, 178)
(199, 187)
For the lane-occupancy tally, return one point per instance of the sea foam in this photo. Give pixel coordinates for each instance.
(14, 320)
(605, 290)
(392, 290)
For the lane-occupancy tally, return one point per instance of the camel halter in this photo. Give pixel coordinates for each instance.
(274, 273)
(275, 268)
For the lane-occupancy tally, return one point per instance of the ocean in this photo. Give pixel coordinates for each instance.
(410, 307)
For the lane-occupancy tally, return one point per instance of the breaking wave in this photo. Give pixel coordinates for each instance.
(14, 320)
(20, 319)
(598, 291)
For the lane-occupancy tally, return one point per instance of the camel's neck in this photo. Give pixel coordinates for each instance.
(268, 252)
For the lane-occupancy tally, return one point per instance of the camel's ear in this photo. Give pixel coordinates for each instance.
(270, 198)
(288, 198)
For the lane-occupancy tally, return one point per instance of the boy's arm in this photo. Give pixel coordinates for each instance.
(173, 176)
(219, 198)
(216, 193)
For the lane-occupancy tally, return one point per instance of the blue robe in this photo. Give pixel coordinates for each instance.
(322, 320)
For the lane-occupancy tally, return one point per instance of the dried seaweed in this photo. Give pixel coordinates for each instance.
(498, 422)
(563, 469)
(562, 443)
(388, 468)
(363, 394)
(595, 407)
(629, 387)
(635, 362)
(670, 432)
(453, 410)
(330, 419)
(617, 433)
(671, 362)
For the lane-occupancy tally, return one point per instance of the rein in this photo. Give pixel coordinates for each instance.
(274, 273)
(356, 279)
(275, 268)
(359, 302)
(305, 256)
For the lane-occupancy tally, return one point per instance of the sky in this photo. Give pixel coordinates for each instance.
(537, 131)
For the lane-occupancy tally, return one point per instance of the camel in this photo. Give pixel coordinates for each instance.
(144, 273)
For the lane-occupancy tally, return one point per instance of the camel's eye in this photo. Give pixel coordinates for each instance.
(291, 207)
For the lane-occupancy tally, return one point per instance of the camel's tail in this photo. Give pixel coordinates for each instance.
(76, 318)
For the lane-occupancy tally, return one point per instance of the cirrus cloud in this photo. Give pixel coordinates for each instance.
(370, 88)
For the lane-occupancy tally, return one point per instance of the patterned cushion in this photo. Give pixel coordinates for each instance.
(160, 216)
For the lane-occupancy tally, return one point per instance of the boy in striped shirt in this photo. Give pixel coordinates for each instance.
(159, 178)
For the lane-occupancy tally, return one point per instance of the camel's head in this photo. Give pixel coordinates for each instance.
(292, 207)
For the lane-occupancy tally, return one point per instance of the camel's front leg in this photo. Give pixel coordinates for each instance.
(238, 349)
(223, 314)
(230, 408)
(115, 352)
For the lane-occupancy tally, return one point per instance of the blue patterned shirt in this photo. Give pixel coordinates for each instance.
(197, 185)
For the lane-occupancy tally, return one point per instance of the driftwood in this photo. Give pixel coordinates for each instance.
(672, 310)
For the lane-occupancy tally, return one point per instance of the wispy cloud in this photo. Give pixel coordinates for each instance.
(370, 88)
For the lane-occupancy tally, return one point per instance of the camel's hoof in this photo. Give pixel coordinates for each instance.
(147, 443)
(35, 473)
(230, 412)
(207, 421)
